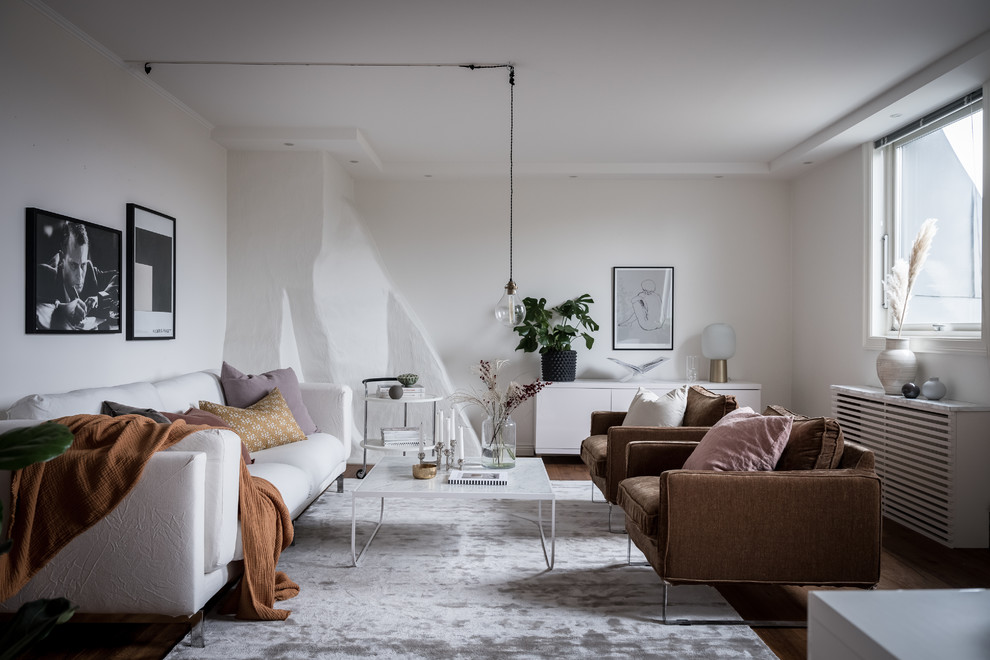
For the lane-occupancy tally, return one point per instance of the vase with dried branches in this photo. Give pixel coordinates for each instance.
(897, 364)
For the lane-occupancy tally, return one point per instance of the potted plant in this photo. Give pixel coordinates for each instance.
(551, 331)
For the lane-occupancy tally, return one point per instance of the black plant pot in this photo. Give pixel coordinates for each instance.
(559, 366)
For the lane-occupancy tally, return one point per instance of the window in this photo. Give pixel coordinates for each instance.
(932, 168)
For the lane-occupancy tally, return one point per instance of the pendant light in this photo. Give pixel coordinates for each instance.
(510, 310)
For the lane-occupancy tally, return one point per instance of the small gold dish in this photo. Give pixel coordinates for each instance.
(424, 470)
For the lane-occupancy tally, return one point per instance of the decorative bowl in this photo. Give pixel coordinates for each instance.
(424, 470)
(407, 380)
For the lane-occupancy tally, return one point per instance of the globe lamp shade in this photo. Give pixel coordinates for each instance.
(718, 344)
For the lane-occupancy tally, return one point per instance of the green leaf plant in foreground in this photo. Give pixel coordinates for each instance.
(33, 621)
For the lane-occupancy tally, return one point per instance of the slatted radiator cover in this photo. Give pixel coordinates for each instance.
(916, 444)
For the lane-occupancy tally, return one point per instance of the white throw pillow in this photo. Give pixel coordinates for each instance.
(651, 409)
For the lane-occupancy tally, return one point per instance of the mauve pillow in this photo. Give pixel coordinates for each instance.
(651, 409)
(241, 390)
(741, 441)
(197, 417)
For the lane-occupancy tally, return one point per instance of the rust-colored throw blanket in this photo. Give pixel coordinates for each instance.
(53, 502)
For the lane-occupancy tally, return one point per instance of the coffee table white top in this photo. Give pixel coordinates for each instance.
(392, 477)
(903, 624)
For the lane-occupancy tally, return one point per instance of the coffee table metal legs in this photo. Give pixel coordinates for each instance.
(381, 518)
(550, 558)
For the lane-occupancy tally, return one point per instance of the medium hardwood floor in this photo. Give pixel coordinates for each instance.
(910, 561)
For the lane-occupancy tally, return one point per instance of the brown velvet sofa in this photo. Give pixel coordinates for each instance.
(604, 451)
(814, 520)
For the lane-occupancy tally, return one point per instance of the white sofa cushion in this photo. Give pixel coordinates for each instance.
(318, 456)
(181, 393)
(293, 483)
(84, 402)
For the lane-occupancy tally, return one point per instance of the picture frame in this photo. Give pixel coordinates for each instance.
(72, 280)
(642, 308)
(150, 274)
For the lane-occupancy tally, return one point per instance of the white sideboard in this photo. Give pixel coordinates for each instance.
(917, 624)
(932, 456)
(563, 410)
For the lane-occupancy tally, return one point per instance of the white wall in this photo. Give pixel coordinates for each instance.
(308, 287)
(828, 207)
(82, 137)
(446, 245)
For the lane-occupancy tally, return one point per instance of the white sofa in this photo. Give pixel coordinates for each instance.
(174, 541)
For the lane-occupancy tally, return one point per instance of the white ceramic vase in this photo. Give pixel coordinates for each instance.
(896, 365)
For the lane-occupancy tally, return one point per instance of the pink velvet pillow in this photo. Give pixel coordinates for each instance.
(743, 440)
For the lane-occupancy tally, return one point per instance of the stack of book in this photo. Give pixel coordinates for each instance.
(411, 392)
(477, 478)
(401, 436)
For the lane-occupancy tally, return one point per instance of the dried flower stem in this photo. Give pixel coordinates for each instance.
(899, 283)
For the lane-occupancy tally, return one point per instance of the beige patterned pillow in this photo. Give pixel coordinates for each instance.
(262, 425)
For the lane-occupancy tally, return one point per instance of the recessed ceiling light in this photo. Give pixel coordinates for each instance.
(289, 144)
(428, 176)
(895, 115)
(355, 162)
(808, 162)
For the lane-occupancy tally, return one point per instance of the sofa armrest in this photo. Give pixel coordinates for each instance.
(145, 556)
(619, 438)
(331, 407)
(602, 420)
(222, 448)
(653, 458)
(799, 527)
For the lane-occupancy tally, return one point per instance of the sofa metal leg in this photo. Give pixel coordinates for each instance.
(614, 531)
(197, 634)
(340, 483)
(753, 623)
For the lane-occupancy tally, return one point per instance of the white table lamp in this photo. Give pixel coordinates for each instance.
(718, 344)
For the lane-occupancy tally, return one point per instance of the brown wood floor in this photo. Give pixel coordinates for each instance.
(910, 561)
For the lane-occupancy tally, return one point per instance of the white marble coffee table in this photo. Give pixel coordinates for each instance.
(391, 477)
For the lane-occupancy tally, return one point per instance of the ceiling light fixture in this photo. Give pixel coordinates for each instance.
(510, 309)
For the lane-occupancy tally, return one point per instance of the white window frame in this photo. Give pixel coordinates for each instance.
(874, 315)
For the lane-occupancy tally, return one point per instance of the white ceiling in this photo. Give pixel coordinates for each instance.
(603, 88)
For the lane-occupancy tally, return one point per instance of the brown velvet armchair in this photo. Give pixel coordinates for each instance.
(604, 451)
(815, 520)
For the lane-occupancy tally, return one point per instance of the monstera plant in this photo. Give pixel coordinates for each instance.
(33, 621)
(551, 331)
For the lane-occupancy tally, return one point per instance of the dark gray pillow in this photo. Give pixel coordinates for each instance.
(115, 409)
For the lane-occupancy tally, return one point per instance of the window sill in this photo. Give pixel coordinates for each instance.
(930, 344)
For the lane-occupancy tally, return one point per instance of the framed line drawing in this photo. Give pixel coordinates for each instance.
(643, 308)
(73, 275)
(150, 274)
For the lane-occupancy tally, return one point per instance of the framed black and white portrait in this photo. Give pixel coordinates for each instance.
(73, 275)
(642, 308)
(150, 274)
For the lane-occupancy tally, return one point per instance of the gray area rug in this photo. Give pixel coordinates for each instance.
(468, 580)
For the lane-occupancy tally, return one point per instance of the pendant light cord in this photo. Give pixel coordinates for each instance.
(512, 127)
(512, 130)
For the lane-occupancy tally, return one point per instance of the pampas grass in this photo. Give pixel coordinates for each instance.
(899, 283)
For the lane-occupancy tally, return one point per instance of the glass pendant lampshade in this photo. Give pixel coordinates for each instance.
(718, 344)
(510, 310)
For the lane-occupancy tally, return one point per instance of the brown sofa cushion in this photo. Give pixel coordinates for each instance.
(704, 407)
(639, 498)
(816, 443)
(594, 454)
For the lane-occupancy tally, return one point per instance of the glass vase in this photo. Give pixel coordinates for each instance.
(498, 443)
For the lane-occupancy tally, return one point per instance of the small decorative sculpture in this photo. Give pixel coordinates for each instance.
(638, 370)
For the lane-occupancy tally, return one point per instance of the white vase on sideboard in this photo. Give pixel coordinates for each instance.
(896, 365)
